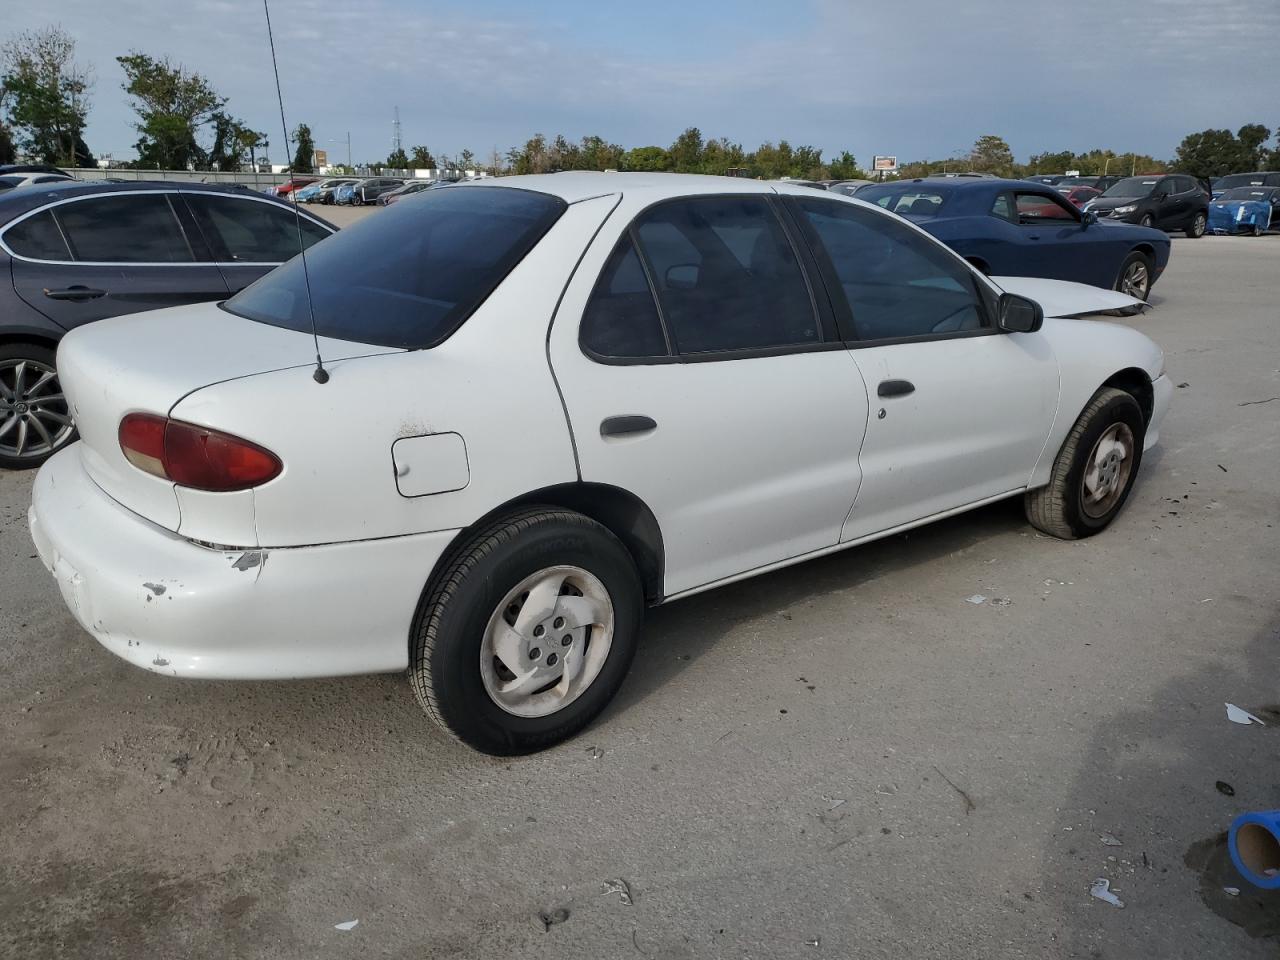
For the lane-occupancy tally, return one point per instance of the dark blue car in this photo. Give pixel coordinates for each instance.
(1015, 228)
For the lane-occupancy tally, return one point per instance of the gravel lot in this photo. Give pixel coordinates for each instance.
(845, 752)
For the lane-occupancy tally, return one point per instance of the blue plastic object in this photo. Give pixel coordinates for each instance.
(1239, 216)
(1254, 843)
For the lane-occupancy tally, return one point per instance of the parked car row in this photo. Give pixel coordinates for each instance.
(79, 252)
(498, 520)
(350, 191)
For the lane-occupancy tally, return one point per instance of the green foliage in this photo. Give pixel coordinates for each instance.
(686, 152)
(1214, 153)
(845, 167)
(304, 157)
(398, 160)
(990, 154)
(231, 141)
(46, 97)
(646, 159)
(8, 150)
(420, 158)
(172, 104)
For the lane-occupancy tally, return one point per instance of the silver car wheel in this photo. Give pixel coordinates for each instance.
(1106, 475)
(547, 641)
(34, 418)
(1136, 281)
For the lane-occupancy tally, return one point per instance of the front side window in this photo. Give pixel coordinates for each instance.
(726, 275)
(124, 228)
(621, 319)
(1036, 207)
(37, 238)
(250, 231)
(896, 283)
(411, 275)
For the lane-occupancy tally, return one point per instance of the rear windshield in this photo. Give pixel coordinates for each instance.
(1132, 187)
(409, 275)
(1240, 180)
(918, 200)
(1247, 193)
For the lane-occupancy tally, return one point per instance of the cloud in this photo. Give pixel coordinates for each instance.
(919, 79)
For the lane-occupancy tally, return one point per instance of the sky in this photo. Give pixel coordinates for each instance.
(920, 79)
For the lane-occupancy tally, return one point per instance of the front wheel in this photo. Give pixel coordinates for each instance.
(528, 632)
(35, 421)
(1195, 229)
(1094, 471)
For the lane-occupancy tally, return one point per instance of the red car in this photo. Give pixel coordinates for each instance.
(1079, 196)
(292, 184)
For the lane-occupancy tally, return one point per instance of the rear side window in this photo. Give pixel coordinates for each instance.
(726, 275)
(37, 238)
(896, 283)
(919, 201)
(250, 231)
(409, 276)
(621, 319)
(125, 228)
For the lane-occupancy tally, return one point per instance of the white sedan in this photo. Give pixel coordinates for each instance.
(551, 402)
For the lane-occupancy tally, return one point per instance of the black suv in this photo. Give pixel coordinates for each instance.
(1166, 201)
(79, 252)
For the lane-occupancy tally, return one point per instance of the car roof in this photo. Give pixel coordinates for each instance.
(585, 184)
(14, 203)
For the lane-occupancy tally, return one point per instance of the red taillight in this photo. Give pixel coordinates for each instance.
(195, 456)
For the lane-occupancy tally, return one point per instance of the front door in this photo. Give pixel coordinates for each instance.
(700, 373)
(959, 411)
(102, 256)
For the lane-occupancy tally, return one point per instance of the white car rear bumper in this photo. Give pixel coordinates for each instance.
(175, 607)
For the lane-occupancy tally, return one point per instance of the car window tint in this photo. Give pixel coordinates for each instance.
(126, 228)
(726, 275)
(1002, 208)
(38, 238)
(250, 231)
(621, 319)
(409, 276)
(897, 283)
(1035, 207)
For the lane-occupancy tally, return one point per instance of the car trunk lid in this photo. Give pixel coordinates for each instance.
(147, 363)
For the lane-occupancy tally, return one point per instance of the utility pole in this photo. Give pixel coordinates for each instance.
(395, 132)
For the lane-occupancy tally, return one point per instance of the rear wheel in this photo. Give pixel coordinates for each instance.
(35, 421)
(1134, 280)
(528, 632)
(1094, 471)
(1195, 229)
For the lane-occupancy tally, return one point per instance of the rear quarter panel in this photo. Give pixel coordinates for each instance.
(490, 383)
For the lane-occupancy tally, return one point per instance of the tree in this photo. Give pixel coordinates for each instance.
(533, 157)
(420, 158)
(304, 156)
(845, 167)
(1253, 144)
(8, 151)
(686, 152)
(990, 154)
(231, 141)
(172, 104)
(46, 94)
(398, 160)
(468, 159)
(646, 159)
(1212, 153)
(1059, 162)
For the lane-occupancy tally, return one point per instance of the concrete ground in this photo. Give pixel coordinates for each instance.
(843, 759)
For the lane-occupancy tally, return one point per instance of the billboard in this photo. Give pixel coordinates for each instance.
(885, 164)
(322, 158)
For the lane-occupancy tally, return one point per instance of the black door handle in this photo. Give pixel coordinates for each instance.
(74, 293)
(625, 426)
(895, 388)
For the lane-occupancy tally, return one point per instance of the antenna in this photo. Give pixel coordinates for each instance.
(395, 132)
(320, 375)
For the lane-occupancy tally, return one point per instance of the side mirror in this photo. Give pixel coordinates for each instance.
(1015, 314)
(1087, 217)
(682, 276)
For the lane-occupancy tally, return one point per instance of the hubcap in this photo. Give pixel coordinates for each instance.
(34, 419)
(1135, 281)
(1197, 226)
(547, 641)
(1106, 475)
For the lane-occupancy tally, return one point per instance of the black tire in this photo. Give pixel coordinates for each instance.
(1124, 281)
(1058, 509)
(1196, 228)
(11, 410)
(448, 630)
(1257, 230)
(1147, 221)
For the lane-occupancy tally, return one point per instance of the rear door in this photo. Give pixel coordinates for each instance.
(700, 372)
(87, 258)
(248, 236)
(959, 411)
